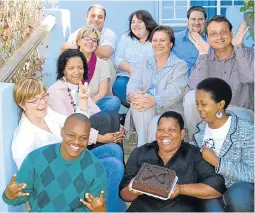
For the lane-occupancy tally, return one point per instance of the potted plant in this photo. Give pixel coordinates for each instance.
(248, 10)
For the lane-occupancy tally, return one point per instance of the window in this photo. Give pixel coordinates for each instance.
(173, 12)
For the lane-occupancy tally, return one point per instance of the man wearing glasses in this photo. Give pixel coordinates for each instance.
(223, 56)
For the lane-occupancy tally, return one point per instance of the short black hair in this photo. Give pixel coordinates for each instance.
(146, 17)
(172, 114)
(197, 8)
(168, 30)
(218, 88)
(79, 117)
(218, 19)
(65, 56)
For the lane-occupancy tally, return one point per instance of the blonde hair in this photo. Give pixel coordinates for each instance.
(85, 31)
(28, 88)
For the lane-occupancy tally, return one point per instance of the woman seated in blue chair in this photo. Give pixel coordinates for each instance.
(227, 143)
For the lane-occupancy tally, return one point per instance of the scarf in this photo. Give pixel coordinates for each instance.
(92, 65)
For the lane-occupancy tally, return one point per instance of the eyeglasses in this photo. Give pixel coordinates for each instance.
(37, 100)
(223, 32)
(86, 38)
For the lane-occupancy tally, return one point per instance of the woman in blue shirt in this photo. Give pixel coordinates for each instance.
(132, 47)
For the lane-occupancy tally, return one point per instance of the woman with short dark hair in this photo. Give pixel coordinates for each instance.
(227, 143)
(196, 178)
(132, 47)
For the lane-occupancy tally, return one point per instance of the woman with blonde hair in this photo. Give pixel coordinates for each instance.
(99, 79)
(40, 126)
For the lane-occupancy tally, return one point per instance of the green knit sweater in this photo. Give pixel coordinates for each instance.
(55, 184)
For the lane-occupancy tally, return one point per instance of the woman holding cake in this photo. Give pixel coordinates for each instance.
(196, 178)
(227, 143)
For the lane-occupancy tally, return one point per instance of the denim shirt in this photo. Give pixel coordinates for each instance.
(185, 49)
(157, 75)
(132, 51)
(168, 84)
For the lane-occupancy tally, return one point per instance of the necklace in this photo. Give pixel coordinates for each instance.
(71, 98)
(70, 95)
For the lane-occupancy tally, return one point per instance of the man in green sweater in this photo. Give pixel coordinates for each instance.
(61, 177)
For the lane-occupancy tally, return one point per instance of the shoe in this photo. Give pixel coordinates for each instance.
(122, 119)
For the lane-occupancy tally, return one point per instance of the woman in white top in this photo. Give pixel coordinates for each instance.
(40, 126)
(227, 143)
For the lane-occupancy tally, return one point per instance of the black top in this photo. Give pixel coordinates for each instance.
(189, 167)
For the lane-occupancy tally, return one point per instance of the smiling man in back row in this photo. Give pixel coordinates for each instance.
(184, 47)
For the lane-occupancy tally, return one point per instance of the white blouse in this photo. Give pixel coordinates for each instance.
(28, 137)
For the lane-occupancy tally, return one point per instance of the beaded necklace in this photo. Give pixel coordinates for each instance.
(70, 95)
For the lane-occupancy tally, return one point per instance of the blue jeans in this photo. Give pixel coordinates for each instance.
(109, 103)
(238, 198)
(111, 156)
(119, 89)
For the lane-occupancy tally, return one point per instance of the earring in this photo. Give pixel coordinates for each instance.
(219, 114)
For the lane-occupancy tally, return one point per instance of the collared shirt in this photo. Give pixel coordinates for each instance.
(237, 70)
(185, 49)
(157, 75)
(132, 51)
(172, 81)
(108, 37)
(189, 167)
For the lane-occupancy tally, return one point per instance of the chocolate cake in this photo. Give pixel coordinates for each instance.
(155, 180)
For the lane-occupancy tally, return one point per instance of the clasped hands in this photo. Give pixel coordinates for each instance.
(141, 101)
(203, 46)
(112, 137)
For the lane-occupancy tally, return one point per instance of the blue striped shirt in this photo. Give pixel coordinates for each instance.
(132, 51)
(185, 49)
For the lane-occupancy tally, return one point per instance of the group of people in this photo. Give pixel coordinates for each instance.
(68, 145)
